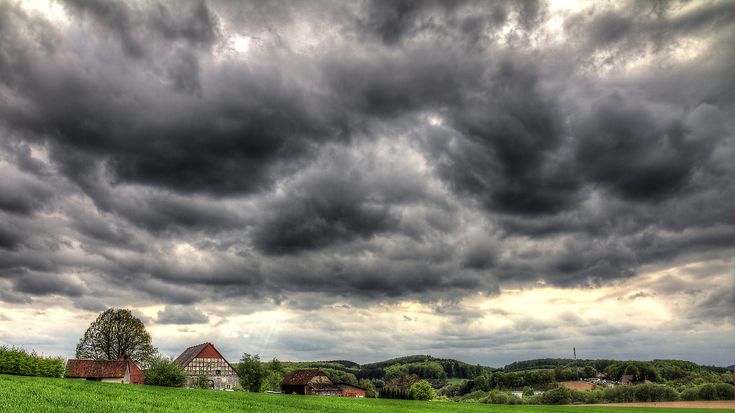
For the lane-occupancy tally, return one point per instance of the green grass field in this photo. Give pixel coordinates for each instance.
(32, 394)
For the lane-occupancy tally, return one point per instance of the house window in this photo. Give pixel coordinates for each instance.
(217, 372)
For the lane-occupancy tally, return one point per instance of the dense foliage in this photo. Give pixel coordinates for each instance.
(424, 366)
(617, 394)
(422, 390)
(251, 372)
(163, 371)
(20, 362)
(116, 333)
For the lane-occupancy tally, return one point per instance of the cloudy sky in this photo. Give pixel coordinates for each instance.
(490, 181)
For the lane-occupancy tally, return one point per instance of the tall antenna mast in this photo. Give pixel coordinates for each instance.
(576, 367)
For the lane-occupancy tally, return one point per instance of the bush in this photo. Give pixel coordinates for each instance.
(528, 391)
(654, 393)
(725, 391)
(690, 393)
(422, 390)
(165, 372)
(559, 395)
(619, 394)
(593, 396)
(19, 362)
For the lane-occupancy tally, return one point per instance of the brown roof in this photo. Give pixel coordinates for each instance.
(342, 385)
(301, 377)
(100, 369)
(188, 355)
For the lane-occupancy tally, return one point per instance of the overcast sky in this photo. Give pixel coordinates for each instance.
(490, 181)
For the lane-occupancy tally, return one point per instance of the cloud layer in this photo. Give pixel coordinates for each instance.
(299, 155)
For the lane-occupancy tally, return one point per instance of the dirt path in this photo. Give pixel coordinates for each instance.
(707, 404)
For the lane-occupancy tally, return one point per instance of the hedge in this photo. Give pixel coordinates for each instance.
(19, 362)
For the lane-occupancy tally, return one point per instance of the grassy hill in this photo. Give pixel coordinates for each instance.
(34, 394)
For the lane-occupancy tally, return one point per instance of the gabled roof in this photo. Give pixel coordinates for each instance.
(190, 354)
(342, 384)
(301, 377)
(96, 369)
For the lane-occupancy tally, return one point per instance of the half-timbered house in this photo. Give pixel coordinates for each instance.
(205, 360)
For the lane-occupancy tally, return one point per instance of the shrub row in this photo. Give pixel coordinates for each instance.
(617, 394)
(19, 362)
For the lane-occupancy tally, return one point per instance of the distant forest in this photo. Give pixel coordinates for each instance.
(537, 373)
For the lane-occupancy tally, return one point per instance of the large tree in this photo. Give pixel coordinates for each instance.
(251, 372)
(114, 334)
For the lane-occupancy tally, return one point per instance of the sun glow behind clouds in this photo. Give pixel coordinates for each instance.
(241, 44)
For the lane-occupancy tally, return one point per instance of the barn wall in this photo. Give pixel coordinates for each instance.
(136, 374)
(115, 380)
(349, 391)
(208, 366)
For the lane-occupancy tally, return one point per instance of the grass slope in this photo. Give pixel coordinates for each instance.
(33, 394)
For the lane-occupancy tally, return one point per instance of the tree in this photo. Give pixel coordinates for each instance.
(251, 372)
(349, 378)
(272, 381)
(422, 390)
(369, 387)
(163, 371)
(633, 371)
(403, 382)
(275, 365)
(114, 334)
(528, 391)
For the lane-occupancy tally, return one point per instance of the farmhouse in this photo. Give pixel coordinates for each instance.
(349, 390)
(205, 360)
(123, 371)
(315, 382)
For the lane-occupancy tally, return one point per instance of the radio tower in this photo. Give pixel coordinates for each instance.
(576, 367)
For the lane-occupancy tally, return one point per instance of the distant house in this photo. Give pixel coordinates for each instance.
(123, 371)
(349, 390)
(626, 379)
(316, 382)
(205, 360)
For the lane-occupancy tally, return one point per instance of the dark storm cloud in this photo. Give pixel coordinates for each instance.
(181, 315)
(135, 23)
(505, 140)
(22, 194)
(11, 238)
(330, 206)
(373, 151)
(623, 148)
(43, 284)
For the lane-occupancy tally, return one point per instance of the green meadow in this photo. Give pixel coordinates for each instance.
(35, 394)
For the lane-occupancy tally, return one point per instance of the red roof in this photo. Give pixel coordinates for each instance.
(301, 377)
(96, 369)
